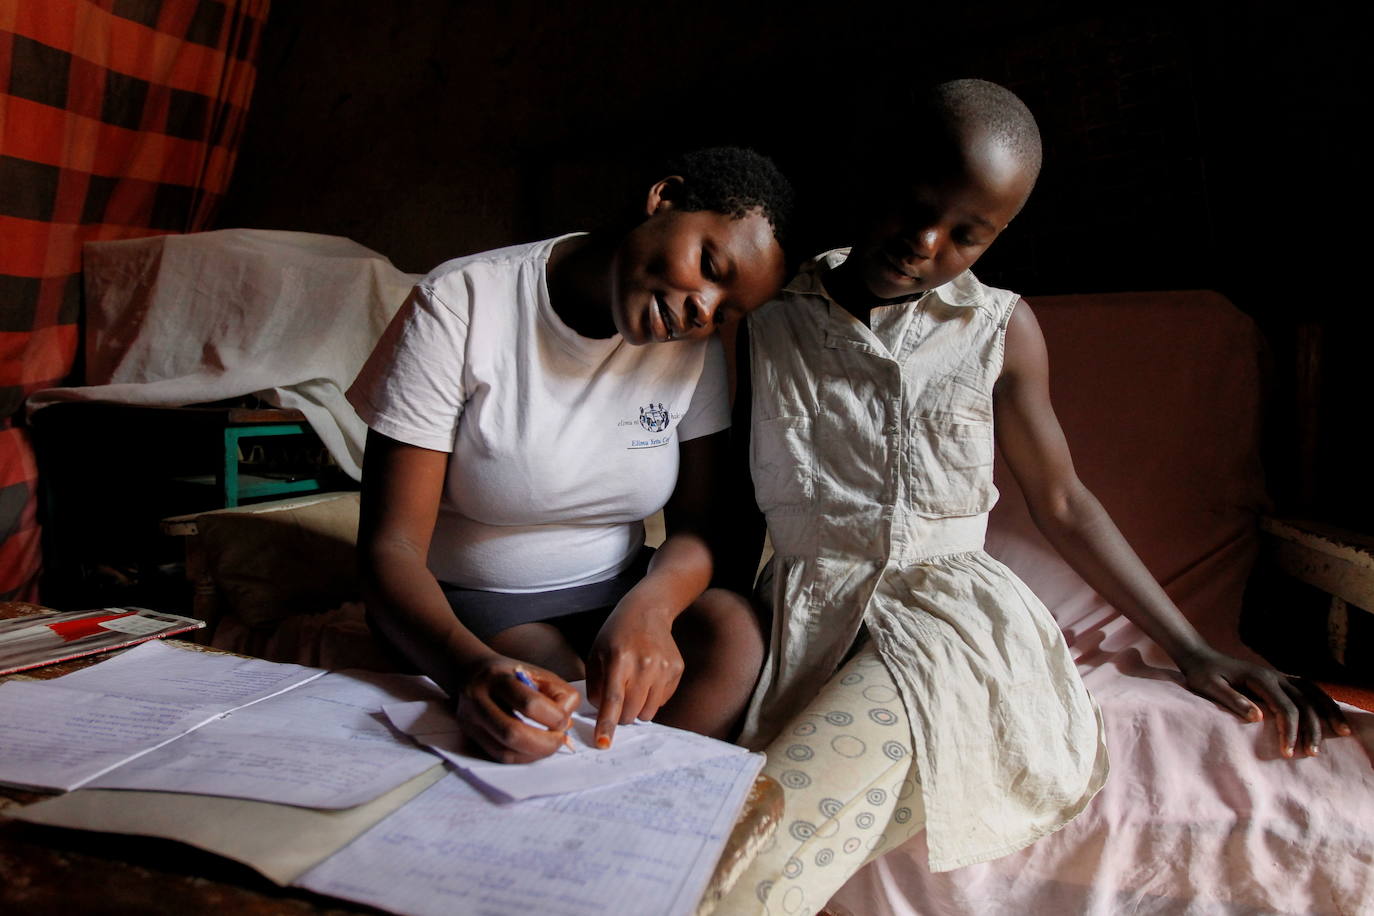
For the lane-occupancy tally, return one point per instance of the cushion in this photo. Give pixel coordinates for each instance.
(296, 557)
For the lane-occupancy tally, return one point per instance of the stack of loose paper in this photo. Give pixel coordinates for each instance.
(177, 720)
(305, 761)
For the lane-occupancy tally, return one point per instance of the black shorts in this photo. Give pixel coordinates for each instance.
(488, 613)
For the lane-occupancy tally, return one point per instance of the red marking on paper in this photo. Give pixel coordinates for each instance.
(72, 630)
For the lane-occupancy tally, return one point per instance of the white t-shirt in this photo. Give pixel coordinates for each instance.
(561, 445)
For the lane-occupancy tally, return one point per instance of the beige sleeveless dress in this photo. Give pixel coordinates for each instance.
(872, 457)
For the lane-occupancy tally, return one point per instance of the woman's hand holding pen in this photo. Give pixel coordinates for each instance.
(634, 667)
(1299, 707)
(493, 691)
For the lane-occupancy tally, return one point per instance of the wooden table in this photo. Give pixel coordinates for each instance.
(46, 870)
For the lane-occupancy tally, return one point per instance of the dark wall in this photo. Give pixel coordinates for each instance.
(1187, 145)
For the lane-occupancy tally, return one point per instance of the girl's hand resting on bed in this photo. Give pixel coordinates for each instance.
(633, 668)
(492, 693)
(1298, 706)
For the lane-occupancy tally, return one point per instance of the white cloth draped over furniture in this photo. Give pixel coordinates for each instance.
(1159, 394)
(188, 319)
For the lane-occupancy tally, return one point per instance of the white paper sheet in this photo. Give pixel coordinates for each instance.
(647, 846)
(639, 749)
(55, 738)
(134, 625)
(345, 705)
(158, 671)
(63, 733)
(323, 745)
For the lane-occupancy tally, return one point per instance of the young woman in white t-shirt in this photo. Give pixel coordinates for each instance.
(528, 408)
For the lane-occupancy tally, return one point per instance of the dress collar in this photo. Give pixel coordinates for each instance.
(964, 291)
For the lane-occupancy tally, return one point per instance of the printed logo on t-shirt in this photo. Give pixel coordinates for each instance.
(654, 420)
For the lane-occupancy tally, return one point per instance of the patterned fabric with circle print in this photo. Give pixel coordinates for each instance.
(845, 765)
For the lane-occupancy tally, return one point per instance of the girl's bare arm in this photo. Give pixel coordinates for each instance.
(1071, 518)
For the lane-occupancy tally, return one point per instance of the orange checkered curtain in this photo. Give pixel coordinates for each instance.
(118, 119)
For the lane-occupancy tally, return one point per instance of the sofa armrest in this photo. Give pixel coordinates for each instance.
(1339, 565)
(1334, 560)
(1339, 562)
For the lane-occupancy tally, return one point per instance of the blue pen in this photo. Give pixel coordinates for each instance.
(524, 678)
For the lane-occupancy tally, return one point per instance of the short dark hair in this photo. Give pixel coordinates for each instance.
(986, 106)
(735, 181)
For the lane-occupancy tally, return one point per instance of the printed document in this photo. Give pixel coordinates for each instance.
(647, 846)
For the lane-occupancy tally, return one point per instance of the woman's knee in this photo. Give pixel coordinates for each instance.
(723, 623)
(540, 644)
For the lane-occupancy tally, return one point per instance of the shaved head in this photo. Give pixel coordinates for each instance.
(944, 131)
(978, 110)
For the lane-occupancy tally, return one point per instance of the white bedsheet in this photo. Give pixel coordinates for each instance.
(187, 319)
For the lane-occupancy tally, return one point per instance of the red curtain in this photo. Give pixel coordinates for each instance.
(118, 119)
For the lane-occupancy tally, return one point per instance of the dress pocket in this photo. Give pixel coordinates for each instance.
(783, 465)
(949, 468)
